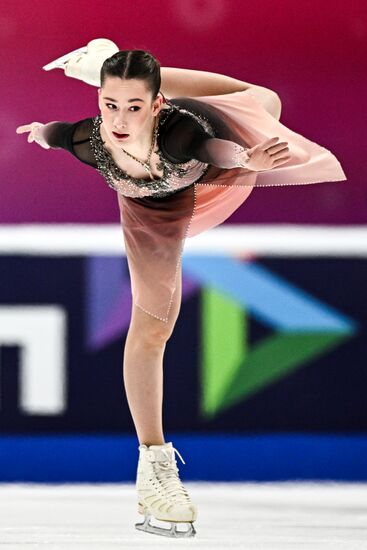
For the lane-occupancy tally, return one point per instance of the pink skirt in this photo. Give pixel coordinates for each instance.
(155, 230)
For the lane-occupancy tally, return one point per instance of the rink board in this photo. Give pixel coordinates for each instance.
(269, 347)
(258, 458)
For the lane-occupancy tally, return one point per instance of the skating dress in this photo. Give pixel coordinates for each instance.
(199, 143)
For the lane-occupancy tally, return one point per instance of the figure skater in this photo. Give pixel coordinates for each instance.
(180, 164)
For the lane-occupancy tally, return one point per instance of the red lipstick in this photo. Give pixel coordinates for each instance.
(120, 136)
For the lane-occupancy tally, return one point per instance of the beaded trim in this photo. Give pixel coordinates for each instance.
(179, 262)
(238, 151)
(120, 181)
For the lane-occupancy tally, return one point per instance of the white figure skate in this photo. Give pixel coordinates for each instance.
(161, 492)
(60, 62)
(85, 63)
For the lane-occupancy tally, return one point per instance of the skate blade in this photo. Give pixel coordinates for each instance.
(60, 61)
(172, 531)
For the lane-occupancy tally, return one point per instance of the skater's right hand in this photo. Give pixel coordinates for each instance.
(267, 155)
(35, 129)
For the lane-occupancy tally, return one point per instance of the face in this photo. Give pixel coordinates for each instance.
(127, 109)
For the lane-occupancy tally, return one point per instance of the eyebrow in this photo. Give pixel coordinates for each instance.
(129, 100)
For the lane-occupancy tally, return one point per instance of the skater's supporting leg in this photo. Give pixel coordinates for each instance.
(143, 368)
(162, 494)
(160, 490)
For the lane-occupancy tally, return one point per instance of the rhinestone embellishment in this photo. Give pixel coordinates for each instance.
(175, 176)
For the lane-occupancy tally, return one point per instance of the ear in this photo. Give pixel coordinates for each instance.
(157, 105)
(99, 98)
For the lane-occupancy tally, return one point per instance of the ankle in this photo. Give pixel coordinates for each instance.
(152, 442)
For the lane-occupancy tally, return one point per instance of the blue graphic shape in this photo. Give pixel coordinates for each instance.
(271, 300)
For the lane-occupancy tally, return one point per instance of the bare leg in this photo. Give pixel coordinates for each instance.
(267, 98)
(175, 82)
(143, 368)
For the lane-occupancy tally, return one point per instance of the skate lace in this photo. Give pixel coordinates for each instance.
(167, 474)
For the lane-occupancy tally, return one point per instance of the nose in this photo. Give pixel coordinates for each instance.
(118, 124)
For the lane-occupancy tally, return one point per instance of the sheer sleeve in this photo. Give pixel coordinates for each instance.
(186, 139)
(72, 136)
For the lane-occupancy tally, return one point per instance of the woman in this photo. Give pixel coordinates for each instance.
(179, 167)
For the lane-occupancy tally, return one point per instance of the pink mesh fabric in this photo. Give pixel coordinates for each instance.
(155, 230)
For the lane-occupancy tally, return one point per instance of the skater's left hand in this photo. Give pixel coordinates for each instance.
(35, 129)
(266, 155)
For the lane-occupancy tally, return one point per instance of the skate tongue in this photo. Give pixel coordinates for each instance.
(161, 451)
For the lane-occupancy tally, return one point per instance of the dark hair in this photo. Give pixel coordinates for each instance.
(138, 64)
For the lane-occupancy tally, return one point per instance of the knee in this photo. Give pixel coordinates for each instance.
(268, 99)
(274, 105)
(149, 331)
(154, 336)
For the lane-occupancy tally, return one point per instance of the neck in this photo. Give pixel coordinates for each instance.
(144, 141)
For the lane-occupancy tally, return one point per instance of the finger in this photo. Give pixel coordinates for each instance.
(265, 144)
(30, 138)
(281, 160)
(278, 145)
(21, 129)
(277, 149)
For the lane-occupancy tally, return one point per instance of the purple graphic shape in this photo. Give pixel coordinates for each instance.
(109, 300)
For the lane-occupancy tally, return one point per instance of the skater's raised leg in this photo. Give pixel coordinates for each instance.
(85, 63)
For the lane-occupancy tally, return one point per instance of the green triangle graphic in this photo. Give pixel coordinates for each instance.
(230, 372)
(223, 346)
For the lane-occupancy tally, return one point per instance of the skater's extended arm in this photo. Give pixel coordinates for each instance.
(72, 136)
(51, 135)
(186, 139)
